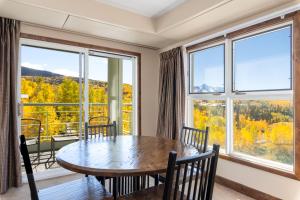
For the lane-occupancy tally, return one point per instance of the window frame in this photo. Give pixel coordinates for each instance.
(190, 68)
(258, 33)
(230, 95)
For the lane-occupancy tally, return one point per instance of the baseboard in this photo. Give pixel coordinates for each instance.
(244, 189)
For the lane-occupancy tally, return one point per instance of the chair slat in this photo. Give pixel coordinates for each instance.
(190, 180)
(196, 179)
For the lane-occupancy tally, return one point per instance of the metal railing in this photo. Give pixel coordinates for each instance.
(64, 118)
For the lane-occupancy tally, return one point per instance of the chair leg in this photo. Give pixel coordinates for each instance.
(101, 179)
(115, 187)
(156, 179)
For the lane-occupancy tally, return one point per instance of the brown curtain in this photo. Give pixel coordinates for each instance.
(10, 167)
(171, 94)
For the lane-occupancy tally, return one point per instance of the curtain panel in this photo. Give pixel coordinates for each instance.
(10, 165)
(171, 94)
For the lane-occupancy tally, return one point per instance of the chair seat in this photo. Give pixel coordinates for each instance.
(64, 138)
(152, 193)
(84, 188)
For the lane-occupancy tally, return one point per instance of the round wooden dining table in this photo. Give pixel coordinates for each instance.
(121, 155)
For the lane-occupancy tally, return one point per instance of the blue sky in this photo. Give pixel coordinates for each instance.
(67, 63)
(260, 63)
(209, 67)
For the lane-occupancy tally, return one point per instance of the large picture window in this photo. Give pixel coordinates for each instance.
(250, 112)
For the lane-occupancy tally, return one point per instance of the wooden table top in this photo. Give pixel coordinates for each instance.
(122, 155)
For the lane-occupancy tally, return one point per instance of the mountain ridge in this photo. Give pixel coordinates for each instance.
(26, 71)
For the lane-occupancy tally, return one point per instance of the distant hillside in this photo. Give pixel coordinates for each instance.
(25, 71)
(52, 78)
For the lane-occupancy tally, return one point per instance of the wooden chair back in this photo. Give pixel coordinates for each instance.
(105, 130)
(196, 137)
(98, 120)
(198, 176)
(28, 168)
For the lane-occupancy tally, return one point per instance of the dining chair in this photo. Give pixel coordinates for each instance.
(195, 137)
(98, 120)
(31, 128)
(191, 136)
(198, 183)
(84, 188)
(100, 130)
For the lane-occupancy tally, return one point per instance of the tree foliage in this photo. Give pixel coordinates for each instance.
(61, 115)
(261, 128)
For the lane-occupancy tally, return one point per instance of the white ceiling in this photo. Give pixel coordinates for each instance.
(149, 8)
(110, 19)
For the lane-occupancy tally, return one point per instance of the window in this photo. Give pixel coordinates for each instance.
(264, 129)
(211, 113)
(263, 61)
(252, 115)
(207, 70)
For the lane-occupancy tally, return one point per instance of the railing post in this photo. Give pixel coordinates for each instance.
(47, 128)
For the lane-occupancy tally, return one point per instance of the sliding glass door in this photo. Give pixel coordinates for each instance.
(61, 88)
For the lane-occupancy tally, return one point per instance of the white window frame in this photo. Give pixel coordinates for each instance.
(229, 96)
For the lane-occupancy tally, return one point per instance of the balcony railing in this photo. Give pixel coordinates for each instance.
(64, 118)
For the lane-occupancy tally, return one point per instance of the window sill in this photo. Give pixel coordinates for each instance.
(256, 165)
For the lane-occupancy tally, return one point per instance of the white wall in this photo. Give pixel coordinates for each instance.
(275, 185)
(149, 70)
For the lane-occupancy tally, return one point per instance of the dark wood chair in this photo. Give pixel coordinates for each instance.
(198, 183)
(98, 120)
(192, 136)
(84, 188)
(100, 130)
(196, 137)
